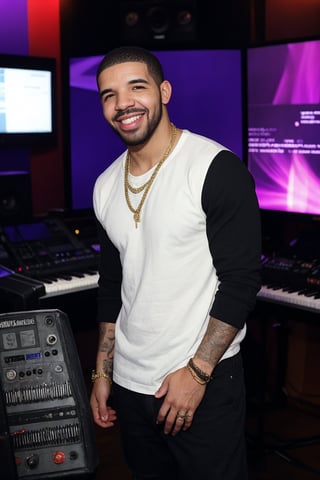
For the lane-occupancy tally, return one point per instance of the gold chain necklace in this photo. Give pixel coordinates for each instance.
(146, 186)
(135, 189)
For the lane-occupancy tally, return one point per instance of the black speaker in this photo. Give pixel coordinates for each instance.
(158, 22)
(15, 197)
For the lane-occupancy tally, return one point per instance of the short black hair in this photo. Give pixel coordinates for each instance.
(133, 54)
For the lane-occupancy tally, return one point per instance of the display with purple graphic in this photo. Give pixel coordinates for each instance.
(207, 99)
(284, 125)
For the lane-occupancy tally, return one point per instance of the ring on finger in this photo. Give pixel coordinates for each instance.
(180, 417)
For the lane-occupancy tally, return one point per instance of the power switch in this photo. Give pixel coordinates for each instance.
(59, 457)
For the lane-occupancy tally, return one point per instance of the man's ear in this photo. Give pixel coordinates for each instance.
(166, 90)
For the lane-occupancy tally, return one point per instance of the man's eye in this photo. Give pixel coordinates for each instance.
(138, 87)
(106, 97)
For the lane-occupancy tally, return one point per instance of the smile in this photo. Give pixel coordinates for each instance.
(127, 121)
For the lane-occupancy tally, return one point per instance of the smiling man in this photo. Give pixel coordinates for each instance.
(180, 258)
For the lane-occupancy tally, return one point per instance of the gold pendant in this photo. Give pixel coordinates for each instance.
(136, 218)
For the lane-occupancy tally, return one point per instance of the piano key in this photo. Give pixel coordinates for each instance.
(291, 298)
(77, 274)
(66, 276)
(61, 285)
(311, 293)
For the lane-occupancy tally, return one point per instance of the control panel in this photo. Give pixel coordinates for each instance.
(297, 273)
(46, 246)
(44, 395)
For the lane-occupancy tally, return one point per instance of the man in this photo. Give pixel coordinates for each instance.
(180, 256)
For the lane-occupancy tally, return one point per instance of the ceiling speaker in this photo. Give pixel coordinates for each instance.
(158, 22)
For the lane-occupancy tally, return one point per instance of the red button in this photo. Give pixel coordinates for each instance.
(59, 457)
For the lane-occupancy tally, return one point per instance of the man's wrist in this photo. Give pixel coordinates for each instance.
(200, 374)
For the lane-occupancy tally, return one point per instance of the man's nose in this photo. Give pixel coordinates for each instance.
(124, 101)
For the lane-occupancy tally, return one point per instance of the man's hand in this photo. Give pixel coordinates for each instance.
(103, 415)
(182, 398)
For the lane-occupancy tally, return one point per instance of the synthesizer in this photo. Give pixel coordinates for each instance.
(292, 282)
(62, 254)
(44, 397)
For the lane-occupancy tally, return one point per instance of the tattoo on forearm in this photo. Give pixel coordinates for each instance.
(216, 340)
(106, 345)
(107, 366)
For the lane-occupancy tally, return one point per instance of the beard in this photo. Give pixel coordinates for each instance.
(135, 140)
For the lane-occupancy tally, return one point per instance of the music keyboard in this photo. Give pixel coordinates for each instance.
(291, 282)
(303, 299)
(62, 255)
(69, 283)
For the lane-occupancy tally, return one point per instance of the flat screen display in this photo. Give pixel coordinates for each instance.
(284, 125)
(27, 100)
(206, 99)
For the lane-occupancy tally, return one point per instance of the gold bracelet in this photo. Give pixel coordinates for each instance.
(195, 377)
(200, 373)
(95, 375)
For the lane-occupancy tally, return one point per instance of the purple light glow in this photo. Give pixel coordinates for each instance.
(83, 72)
(284, 126)
(289, 184)
(300, 80)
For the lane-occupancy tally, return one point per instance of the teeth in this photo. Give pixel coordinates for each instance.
(130, 120)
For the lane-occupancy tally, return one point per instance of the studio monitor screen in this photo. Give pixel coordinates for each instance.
(27, 100)
(284, 125)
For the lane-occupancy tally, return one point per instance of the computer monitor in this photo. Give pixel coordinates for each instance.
(27, 100)
(284, 125)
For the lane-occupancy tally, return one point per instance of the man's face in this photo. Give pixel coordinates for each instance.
(131, 101)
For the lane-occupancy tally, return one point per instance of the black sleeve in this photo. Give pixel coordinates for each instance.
(234, 236)
(110, 271)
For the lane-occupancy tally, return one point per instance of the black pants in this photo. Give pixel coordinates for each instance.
(212, 449)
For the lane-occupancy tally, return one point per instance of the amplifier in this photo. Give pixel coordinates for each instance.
(49, 428)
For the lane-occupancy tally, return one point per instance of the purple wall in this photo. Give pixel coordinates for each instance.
(14, 27)
(14, 40)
